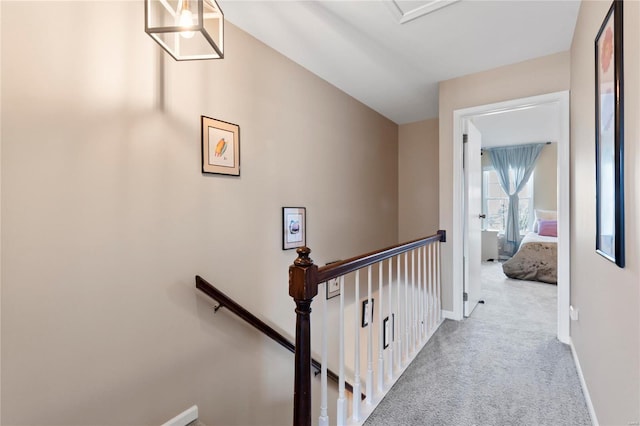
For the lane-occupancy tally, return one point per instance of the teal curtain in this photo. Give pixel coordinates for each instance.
(514, 165)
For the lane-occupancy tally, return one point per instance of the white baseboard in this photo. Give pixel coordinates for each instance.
(585, 390)
(448, 315)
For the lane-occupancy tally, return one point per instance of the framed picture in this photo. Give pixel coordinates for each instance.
(386, 337)
(609, 137)
(220, 147)
(333, 286)
(294, 227)
(367, 312)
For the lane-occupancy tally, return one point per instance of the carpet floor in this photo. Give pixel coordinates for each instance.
(501, 366)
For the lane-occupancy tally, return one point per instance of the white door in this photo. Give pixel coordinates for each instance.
(473, 218)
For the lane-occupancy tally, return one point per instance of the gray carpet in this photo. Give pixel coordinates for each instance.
(502, 366)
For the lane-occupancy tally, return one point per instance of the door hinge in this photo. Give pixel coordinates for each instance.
(465, 296)
(465, 138)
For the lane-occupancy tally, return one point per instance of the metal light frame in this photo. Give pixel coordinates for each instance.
(201, 37)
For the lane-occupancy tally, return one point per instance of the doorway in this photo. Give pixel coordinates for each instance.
(460, 120)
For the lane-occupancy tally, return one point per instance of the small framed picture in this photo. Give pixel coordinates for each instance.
(220, 147)
(367, 312)
(386, 337)
(333, 286)
(294, 227)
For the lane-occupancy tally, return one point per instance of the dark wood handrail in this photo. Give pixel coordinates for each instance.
(304, 278)
(226, 302)
(337, 269)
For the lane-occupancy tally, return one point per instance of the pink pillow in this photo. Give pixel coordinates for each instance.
(548, 228)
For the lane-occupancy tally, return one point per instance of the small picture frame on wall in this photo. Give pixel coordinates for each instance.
(333, 285)
(386, 337)
(333, 288)
(294, 227)
(220, 147)
(609, 107)
(367, 312)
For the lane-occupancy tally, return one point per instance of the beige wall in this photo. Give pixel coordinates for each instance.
(545, 179)
(606, 337)
(106, 216)
(535, 77)
(418, 179)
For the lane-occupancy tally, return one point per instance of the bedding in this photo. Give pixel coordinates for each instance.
(535, 260)
(543, 215)
(548, 228)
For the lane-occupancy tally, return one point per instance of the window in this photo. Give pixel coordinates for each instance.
(495, 203)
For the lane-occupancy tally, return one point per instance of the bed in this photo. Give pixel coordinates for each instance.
(537, 257)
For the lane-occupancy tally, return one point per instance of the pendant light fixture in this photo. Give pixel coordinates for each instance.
(186, 29)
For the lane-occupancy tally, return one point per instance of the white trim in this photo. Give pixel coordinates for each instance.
(564, 258)
(564, 221)
(184, 418)
(403, 17)
(448, 315)
(583, 384)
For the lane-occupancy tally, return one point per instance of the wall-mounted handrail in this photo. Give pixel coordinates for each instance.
(304, 279)
(226, 302)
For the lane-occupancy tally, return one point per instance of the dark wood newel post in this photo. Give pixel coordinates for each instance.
(303, 286)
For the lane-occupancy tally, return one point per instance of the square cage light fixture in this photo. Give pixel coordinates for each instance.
(186, 29)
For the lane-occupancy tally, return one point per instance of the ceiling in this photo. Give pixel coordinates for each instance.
(390, 55)
(540, 123)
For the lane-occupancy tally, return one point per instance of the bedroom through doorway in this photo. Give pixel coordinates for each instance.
(538, 268)
(531, 135)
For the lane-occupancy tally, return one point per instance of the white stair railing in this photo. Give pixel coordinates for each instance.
(408, 312)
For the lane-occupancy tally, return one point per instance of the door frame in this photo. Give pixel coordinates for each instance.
(563, 185)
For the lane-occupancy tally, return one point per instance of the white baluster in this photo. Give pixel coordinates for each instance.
(380, 332)
(341, 403)
(390, 323)
(369, 387)
(419, 298)
(434, 300)
(397, 317)
(425, 300)
(432, 318)
(420, 320)
(323, 420)
(406, 324)
(438, 285)
(356, 363)
(412, 314)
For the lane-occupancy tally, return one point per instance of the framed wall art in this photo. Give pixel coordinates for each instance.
(333, 285)
(367, 312)
(333, 288)
(386, 337)
(609, 106)
(220, 147)
(294, 227)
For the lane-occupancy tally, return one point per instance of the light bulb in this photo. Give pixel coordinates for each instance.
(186, 21)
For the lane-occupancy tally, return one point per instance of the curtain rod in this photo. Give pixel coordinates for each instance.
(513, 146)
